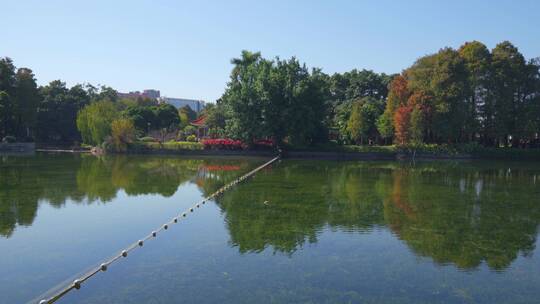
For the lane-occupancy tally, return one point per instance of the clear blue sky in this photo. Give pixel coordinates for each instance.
(183, 48)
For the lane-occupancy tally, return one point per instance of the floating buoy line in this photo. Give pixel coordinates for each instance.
(77, 284)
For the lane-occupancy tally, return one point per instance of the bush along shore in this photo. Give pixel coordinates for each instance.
(224, 147)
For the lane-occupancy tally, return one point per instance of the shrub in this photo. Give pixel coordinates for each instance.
(173, 145)
(190, 130)
(191, 138)
(122, 133)
(263, 144)
(223, 144)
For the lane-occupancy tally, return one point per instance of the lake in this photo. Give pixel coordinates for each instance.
(301, 231)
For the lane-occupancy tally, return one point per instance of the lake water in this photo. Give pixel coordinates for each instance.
(299, 232)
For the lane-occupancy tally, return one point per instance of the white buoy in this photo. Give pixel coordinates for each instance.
(154, 233)
(140, 243)
(103, 267)
(77, 284)
(124, 253)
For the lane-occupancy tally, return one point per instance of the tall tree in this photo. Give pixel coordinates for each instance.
(27, 100)
(363, 118)
(508, 92)
(6, 114)
(443, 77)
(477, 60)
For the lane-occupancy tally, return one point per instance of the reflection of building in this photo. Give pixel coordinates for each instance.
(194, 104)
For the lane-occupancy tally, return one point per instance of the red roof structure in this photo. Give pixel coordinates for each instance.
(199, 122)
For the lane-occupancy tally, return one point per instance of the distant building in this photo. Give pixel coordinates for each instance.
(194, 104)
(154, 94)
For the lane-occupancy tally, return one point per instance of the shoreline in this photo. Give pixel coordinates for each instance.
(315, 155)
(519, 155)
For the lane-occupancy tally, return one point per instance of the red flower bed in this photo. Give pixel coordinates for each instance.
(264, 142)
(223, 144)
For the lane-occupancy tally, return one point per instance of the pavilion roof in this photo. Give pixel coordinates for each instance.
(199, 122)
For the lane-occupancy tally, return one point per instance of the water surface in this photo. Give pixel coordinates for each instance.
(299, 232)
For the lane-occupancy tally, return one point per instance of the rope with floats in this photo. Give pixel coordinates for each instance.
(76, 284)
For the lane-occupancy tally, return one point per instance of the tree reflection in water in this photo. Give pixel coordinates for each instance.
(463, 214)
(85, 179)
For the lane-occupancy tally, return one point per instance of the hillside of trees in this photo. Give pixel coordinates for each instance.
(468, 95)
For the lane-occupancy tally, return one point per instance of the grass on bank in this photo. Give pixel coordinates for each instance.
(170, 145)
(474, 150)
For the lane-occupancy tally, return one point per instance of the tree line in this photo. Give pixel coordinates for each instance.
(56, 113)
(466, 95)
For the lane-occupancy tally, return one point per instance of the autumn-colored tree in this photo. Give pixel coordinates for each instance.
(402, 122)
(399, 93)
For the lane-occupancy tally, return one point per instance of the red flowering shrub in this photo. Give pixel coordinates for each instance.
(263, 144)
(223, 144)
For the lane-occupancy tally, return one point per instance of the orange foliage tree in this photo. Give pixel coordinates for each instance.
(402, 121)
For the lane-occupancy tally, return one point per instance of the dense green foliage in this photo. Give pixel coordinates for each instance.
(276, 99)
(94, 121)
(458, 96)
(468, 95)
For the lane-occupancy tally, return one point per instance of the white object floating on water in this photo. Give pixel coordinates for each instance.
(77, 284)
(124, 253)
(140, 243)
(103, 267)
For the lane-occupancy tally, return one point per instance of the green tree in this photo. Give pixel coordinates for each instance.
(417, 125)
(477, 60)
(443, 77)
(363, 119)
(143, 118)
(27, 100)
(385, 126)
(166, 117)
(508, 92)
(6, 114)
(278, 99)
(7, 94)
(94, 121)
(186, 115)
(57, 112)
